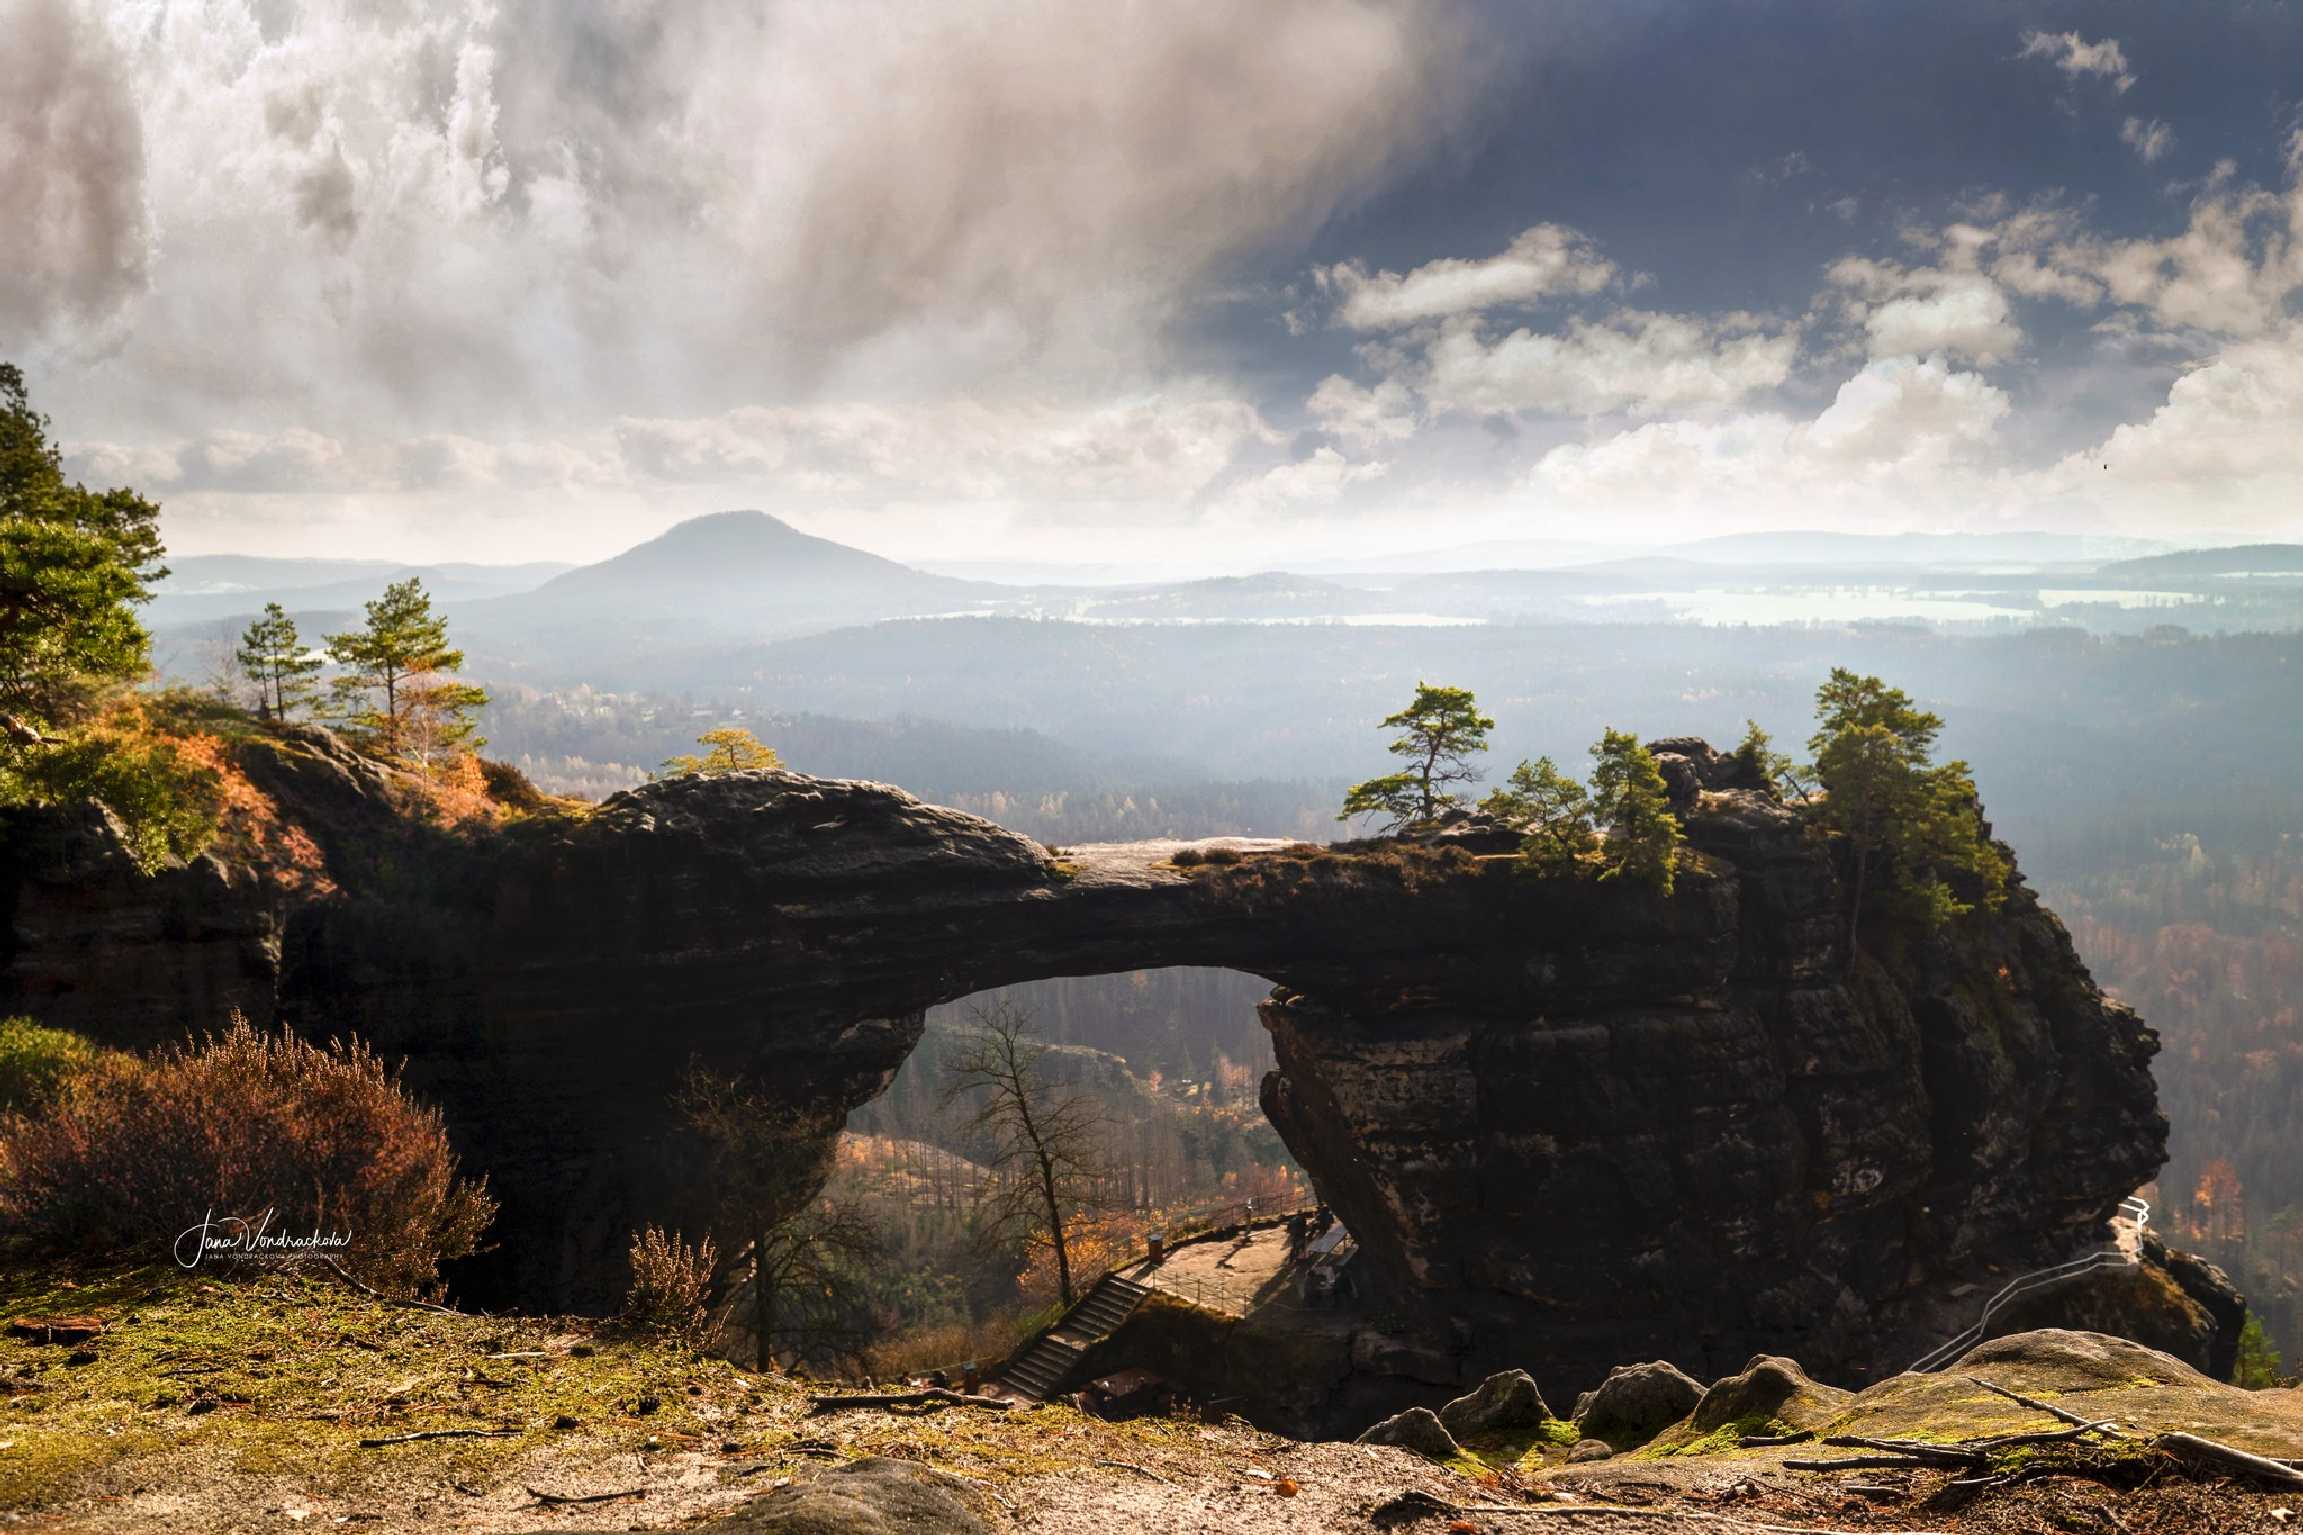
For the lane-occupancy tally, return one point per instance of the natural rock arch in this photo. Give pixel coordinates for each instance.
(1584, 1122)
(1552, 1107)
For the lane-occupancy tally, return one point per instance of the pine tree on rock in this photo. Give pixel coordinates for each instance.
(1895, 805)
(1552, 810)
(396, 690)
(1629, 798)
(1441, 730)
(272, 656)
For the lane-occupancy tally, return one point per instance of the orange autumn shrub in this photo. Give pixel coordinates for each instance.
(137, 1151)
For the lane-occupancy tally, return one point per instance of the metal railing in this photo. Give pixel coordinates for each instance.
(2132, 1210)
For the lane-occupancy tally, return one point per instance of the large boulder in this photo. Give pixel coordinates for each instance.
(1636, 1402)
(870, 1497)
(1505, 1402)
(1417, 1429)
(1769, 1394)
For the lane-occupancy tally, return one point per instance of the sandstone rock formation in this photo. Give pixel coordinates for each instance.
(867, 1497)
(1505, 1401)
(1769, 1391)
(1417, 1429)
(1586, 1122)
(1636, 1402)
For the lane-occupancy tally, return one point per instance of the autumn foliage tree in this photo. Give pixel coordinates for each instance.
(728, 749)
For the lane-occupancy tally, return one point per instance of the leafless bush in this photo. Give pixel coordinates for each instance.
(671, 1283)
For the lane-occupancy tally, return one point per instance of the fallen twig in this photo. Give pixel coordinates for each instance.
(561, 1500)
(1417, 1504)
(1917, 1449)
(2207, 1454)
(932, 1396)
(1129, 1465)
(2049, 1436)
(440, 1433)
(1896, 1462)
(369, 1290)
(2048, 1408)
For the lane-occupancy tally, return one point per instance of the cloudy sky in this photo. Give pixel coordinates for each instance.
(1189, 280)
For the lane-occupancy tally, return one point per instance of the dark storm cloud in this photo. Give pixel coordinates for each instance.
(73, 242)
(1059, 266)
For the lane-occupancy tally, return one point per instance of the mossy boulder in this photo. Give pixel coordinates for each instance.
(1636, 1402)
(1417, 1429)
(869, 1497)
(1506, 1402)
(1769, 1391)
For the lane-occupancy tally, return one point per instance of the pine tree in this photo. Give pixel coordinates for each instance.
(393, 688)
(1550, 807)
(1441, 731)
(1629, 797)
(74, 564)
(273, 657)
(1884, 792)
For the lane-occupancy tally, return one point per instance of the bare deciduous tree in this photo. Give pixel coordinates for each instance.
(799, 1247)
(1043, 1140)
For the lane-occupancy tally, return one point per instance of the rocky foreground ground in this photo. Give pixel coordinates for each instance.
(148, 1400)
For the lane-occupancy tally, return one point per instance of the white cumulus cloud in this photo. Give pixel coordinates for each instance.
(1542, 262)
(1634, 361)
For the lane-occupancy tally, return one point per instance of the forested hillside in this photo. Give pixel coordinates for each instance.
(2206, 940)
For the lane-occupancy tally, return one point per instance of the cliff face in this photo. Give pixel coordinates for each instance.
(1573, 1117)
(1699, 1133)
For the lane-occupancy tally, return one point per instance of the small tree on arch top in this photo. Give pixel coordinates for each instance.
(1441, 730)
(728, 749)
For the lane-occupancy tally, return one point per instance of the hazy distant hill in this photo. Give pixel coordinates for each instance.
(2238, 560)
(752, 564)
(709, 579)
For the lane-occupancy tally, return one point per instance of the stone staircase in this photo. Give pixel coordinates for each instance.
(1044, 1369)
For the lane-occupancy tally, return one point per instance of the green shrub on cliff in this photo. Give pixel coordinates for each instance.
(2259, 1365)
(1552, 809)
(36, 1062)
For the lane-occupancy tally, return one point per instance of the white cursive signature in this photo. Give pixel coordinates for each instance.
(237, 1236)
